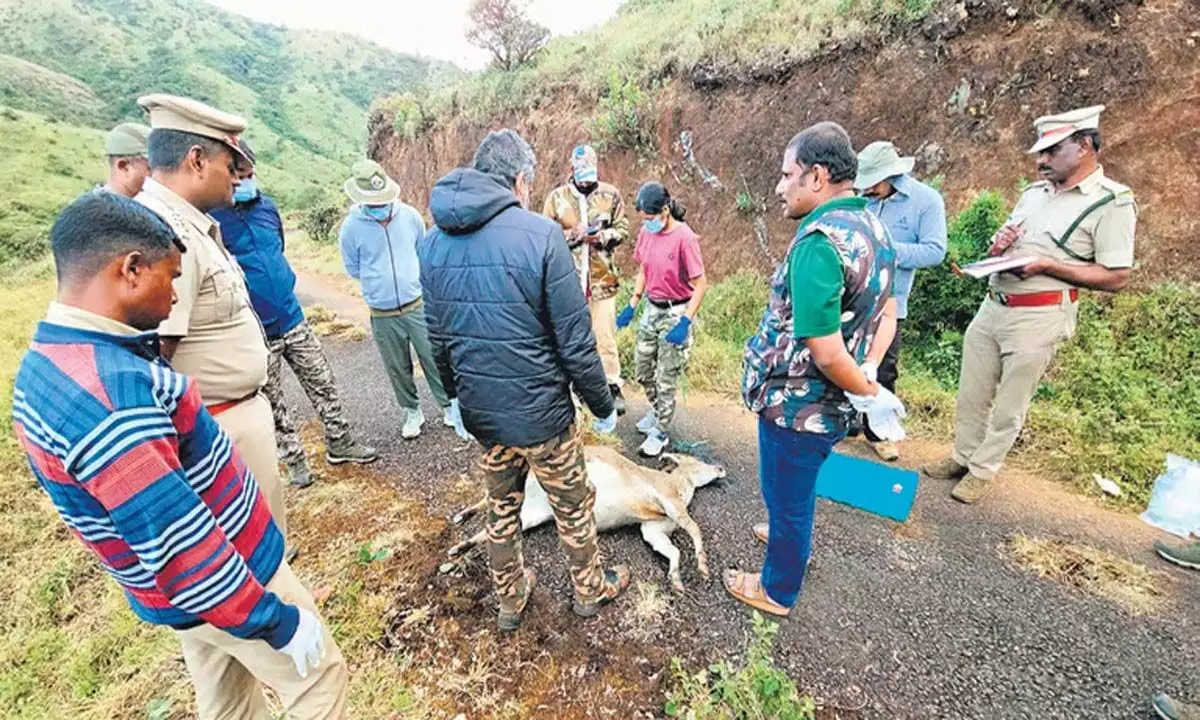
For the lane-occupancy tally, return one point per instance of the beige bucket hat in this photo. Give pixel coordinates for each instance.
(879, 161)
(368, 184)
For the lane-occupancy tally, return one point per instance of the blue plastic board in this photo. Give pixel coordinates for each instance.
(878, 489)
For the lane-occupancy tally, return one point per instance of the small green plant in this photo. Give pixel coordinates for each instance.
(625, 119)
(942, 304)
(318, 222)
(408, 118)
(159, 709)
(366, 555)
(758, 689)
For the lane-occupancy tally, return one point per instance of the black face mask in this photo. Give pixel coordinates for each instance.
(586, 188)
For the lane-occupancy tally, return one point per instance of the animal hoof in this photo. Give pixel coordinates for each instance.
(459, 519)
(702, 565)
(677, 585)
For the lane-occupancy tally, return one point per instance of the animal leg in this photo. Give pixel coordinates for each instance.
(679, 514)
(658, 534)
(469, 512)
(470, 543)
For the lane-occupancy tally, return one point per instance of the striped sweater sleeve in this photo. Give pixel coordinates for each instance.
(130, 464)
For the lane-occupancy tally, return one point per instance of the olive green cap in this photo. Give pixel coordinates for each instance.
(127, 139)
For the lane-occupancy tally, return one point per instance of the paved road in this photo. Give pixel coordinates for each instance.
(926, 620)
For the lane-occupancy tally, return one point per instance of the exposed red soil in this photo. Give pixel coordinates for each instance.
(1019, 59)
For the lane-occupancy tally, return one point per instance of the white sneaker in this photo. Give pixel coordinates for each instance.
(648, 423)
(412, 424)
(448, 416)
(656, 442)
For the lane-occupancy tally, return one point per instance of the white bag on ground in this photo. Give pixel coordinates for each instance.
(1175, 502)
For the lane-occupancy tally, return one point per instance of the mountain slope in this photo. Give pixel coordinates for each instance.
(305, 93)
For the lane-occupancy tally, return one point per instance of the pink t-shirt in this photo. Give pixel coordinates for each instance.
(671, 260)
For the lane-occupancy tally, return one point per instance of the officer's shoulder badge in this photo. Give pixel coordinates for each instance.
(1124, 196)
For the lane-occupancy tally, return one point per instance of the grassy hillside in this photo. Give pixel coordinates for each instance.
(305, 87)
(48, 163)
(81, 64)
(710, 41)
(35, 185)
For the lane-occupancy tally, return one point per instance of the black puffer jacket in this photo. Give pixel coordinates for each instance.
(507, 318)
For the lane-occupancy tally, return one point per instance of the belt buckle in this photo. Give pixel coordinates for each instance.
(1001, 298)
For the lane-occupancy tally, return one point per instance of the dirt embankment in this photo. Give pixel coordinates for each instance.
(960, 92)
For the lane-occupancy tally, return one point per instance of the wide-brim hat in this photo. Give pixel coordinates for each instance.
(1053, 129)
(171, 112)
(368, 184)
(879, 161)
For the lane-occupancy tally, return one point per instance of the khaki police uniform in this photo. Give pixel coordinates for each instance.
(1011, 341)
(223, 347)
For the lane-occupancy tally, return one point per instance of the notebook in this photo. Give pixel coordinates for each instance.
(879, 489)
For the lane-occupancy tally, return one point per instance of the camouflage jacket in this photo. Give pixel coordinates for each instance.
(781, 382)
(604, 208)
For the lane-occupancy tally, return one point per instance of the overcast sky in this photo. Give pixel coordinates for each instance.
(433, 28)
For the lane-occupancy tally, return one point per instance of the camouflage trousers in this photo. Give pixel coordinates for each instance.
(302, 351)
(659, 364)
(559, 467)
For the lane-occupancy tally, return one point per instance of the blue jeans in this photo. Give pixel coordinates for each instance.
(788, 463)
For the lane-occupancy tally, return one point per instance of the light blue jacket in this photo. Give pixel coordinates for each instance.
(915, 216)
(383, 258)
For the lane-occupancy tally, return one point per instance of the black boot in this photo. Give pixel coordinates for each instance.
(618, 399)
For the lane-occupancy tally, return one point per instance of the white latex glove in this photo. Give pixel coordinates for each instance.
(884, 412)
(456, 416)
(871, 370)
(607, 425)
(308, 644)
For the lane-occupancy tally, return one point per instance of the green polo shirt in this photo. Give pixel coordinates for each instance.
(816, 276)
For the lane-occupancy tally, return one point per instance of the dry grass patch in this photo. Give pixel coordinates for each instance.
(326, 323)
(1135, 588)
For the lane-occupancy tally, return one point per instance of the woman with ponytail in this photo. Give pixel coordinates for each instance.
(671, 276)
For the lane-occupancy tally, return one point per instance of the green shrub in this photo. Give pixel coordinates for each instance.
(625, 119)
(758, 689)
(942, 304)
(1125, 391)
(405, 115)
(318, 222)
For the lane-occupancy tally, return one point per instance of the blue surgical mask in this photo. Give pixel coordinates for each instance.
(654, 225)
(246, 190)
(378, 212)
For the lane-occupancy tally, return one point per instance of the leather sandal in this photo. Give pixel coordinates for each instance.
(747, 587)
(511, 619)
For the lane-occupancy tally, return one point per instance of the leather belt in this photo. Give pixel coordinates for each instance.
(1038, 299)
(218, 408)
(668, 304)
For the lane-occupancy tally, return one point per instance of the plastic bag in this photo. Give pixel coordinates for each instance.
(1175, 502)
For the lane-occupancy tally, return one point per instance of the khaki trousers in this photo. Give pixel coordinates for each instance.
(251, 426)
(229, 672)
(604, 325)
(1005, 353)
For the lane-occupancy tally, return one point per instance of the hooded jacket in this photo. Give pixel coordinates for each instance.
(383, 257)
(508, 321)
